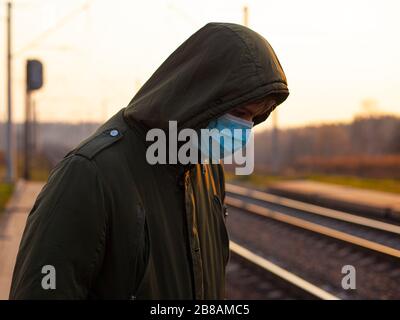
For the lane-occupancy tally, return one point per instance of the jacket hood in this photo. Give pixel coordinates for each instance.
(220, 67)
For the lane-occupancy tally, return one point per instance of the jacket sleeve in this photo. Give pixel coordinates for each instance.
(64, 235)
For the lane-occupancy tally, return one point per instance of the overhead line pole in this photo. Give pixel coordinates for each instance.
(245, 16)
(275, 132)
(9, 128)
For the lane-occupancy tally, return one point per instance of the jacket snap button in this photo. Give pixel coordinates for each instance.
(114, 133)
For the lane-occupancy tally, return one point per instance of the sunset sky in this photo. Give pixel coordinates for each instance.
(336, 54)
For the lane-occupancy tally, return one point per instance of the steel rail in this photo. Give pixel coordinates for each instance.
(314, 227)
(314, 209)
(281, 273)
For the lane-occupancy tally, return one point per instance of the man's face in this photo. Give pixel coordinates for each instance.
(252, 110)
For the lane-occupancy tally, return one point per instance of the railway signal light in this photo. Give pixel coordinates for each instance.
(34, 75)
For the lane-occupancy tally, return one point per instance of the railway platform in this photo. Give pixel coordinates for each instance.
(366, 202)
(12, 224)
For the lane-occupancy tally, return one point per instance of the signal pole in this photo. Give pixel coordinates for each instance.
(27, 136)
(274, 143)
(275, 132)
(245, 16)
(34, 127)
(9, 129)
(34, 81)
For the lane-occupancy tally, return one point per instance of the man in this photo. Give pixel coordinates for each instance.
(112, 226)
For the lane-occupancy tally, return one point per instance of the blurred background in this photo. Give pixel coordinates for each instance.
(338, 134)
(341, 61)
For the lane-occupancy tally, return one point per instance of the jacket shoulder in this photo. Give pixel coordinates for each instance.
(107, 135)
(92, 146)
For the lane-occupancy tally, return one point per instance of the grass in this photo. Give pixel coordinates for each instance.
(257, 180)
(386, 185)
(40, 171)
(40, 168)
(6, 189)
(5, 193)
(39, 174)
(264, 180)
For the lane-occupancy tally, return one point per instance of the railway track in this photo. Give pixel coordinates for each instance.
(315, 242)
(270, 281)
(257, 202)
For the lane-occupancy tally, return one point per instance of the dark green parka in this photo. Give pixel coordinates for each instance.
(114, 226)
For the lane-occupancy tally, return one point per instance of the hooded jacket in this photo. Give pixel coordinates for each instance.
(114, 226)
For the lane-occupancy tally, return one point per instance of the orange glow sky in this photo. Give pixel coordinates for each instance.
(335, 54)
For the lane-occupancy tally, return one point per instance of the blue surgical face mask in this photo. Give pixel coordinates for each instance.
(228, 139)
